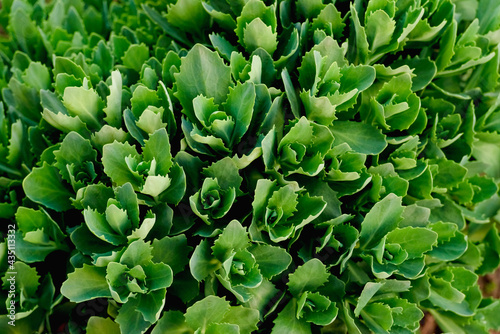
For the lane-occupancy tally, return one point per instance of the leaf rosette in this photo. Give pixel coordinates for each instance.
(38, 235)
(211, 201)
(339, 241)
(151, 173)
(281, 211)
(26, 293)
(329, 84)
(237, 264)
(301, 150)
(73, 166)
(128, 279)
(385, 26)
(118, 222)
(256, 27)
(213, 315)
(220, 129)
(313, 302)
(218, 192)
(151, 110)
(392, 105)
(22, 94)
(133, 280)
(218, 113)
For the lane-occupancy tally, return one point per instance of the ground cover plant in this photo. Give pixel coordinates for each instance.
(248, 166)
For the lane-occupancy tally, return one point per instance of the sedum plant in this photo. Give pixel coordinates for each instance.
(277, 166)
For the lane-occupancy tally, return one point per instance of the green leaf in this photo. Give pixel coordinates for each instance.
(359, 49)
(284, 198)
(173, 322)
(369, 290)
(209, 310)
(120, 288)
(202, 263)
(75, 150)
(257, 18)
(240, 103)
(316, 308)
(224, 47)
(257, 34)
(201, 72)
(44, 185)
(451, 243)
(491, 252)
(271, 260)
(157, 147)
(489, 313)
(410, 315)
(286, 322)
(50, 236)
(188, 15)
(361, 137)
(142, 99)
(151, 120)
(103, 58)
(138, 253)
(131, 319)
(175, 192)
(65, 123)
(246, 319)
(233, 238)
(303, 148)
(107, 135)
(291, 94)
(63, 65)
(151, 304)
(308, 277)
(158, 276)
(450, 174)
(222, 329)
(29, 283)
(37, 76)
(172, 251)
(84, 103)
(318, 109)
(113, 109)
(226, 172)
(329, 19)
(382, 218)
(115, 165)
(128, 200)
(136, 56)
(97, 325)
(165, 25)
(309, 9)
(379, 29)
(86, 283)
(414, 240)
(378, 317)
(455, 289)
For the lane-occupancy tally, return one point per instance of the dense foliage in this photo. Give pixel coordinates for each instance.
(248, 166)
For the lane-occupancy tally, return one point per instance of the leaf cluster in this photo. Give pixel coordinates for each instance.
(249, 166)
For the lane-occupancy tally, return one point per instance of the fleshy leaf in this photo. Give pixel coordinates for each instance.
(86, 283)
(207, 311)
(202, 72)
(361, 138)
(382, 218)
(308, 277)
(44, 185)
